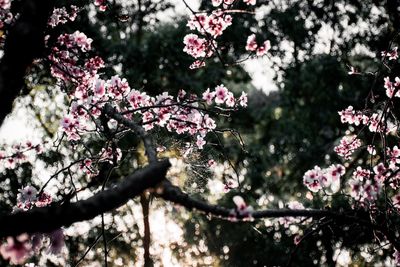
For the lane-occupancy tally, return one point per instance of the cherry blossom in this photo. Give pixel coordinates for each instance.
(17, 249)
(350, 116)
(230, 184)
(329, 178)
(196, 46)
(208, 96)
(392, 55)
(252, 46)
(241, 207)
(348, 144)
(221, 94)
(61, 16)
(102, 4)
(28, 194)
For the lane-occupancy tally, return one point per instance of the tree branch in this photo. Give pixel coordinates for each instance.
(50, 218)
(174, 194)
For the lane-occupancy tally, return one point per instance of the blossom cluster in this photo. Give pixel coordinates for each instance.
(252, 46)
(329, 178)
(392, 88)
(65, 57)
(62, 16)
(376, 122)
(391, 55)
(18, 154)
(348, 144)
(184, 114)
(366, 183)
(211, 26)
(363, 189)
(28, 197)
(18, 249)
(198, 47)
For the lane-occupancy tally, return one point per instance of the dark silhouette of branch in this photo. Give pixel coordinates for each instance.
(174, 194)
(52, 217)
(24, 42)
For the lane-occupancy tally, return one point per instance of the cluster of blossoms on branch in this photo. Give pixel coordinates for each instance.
(367, 182)
(212, 26)
(18, 249)
(260, 50)
(317, 178)
(18, 154)
(62, 16)
(89, 93)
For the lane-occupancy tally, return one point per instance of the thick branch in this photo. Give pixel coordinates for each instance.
(53, 217)
(174, 194)
(25, 42)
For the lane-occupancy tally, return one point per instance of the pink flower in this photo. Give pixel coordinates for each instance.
(107, 154)
(251, 44)
(347, 146)
(230, 184)
(195, 46)
(43, 200)
(101, 4)
(99, 87)
(241, 207)
(27, 194)
(230, 100)
(5, 4)
(297, 239)
(243, 100)
(208, 96)
(200, 142)
(392, 55)
(312, 179)
(350, 116)
(221, 92)
(263, 49)
(17, 249)
(211, 163)
(197, 64)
